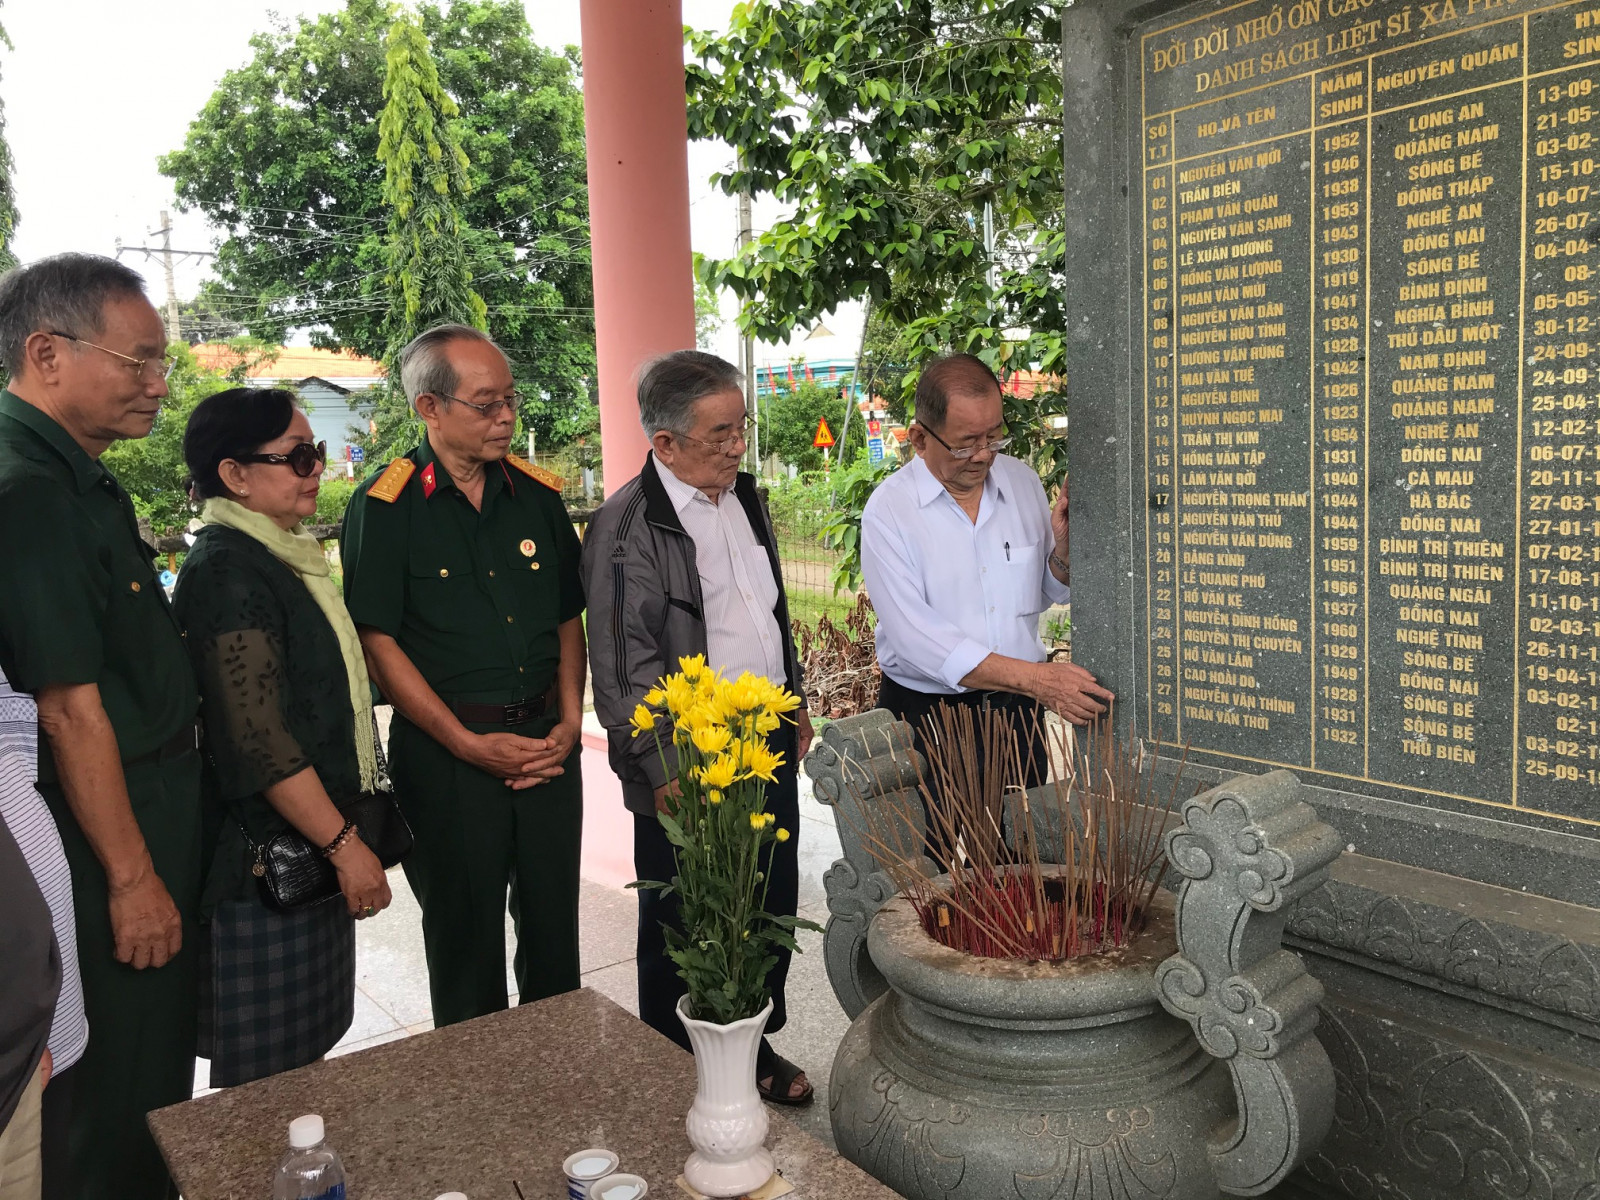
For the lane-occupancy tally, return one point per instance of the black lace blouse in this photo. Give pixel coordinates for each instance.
(274, 693)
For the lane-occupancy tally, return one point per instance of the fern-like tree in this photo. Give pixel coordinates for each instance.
(429, 267)
(425, 171)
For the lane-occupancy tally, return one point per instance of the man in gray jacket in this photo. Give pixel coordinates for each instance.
(682, 561)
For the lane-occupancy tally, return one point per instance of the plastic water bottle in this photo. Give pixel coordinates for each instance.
(311, 1170)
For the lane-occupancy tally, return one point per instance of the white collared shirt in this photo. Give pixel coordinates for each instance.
(737, 586)
(950, 591)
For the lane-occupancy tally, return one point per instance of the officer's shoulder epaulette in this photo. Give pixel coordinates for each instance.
(534, 471)
(388, 486)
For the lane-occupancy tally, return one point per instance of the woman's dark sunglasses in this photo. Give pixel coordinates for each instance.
(304, 460)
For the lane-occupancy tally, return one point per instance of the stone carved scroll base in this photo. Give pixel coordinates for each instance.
(858, 762)
(1246, 850)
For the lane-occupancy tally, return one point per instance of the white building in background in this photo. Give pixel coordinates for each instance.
(325, 380)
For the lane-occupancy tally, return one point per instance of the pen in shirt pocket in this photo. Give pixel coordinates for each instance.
(1008, 551)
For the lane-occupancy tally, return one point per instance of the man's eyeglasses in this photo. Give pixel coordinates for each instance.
(304, 460)
(739, 437)
(966, 452)
(490, 410)
(145, 368)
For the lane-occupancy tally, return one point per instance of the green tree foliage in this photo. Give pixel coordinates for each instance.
(201, 322)
(789, 420)
(152, 469)
(707, 314)
(429, 271)
(886, 126)
(853, 485)
(284, 158)
(8, 194)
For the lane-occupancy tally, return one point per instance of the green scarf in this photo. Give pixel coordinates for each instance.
(302, 554)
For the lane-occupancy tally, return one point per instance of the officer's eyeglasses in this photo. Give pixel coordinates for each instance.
(966, 452)
(145, 368)
(740, 437)
(304, 460)
(490, 410)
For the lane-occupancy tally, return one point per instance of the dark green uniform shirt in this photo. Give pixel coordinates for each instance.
(81, 602)
(472, 597)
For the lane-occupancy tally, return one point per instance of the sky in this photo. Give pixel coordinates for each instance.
(97, 90)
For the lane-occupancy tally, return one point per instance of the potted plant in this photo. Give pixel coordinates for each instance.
(721, 835)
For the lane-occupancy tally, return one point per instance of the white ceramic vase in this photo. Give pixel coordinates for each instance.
(727, 1123)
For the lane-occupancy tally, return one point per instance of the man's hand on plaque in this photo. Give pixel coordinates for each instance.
(1068, 689)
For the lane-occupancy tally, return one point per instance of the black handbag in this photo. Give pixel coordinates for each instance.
(293, 874)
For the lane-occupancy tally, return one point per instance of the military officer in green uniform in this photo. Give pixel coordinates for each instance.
(461, 573)
(85, 627)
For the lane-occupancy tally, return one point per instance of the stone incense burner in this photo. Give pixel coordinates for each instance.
(1182, 1066)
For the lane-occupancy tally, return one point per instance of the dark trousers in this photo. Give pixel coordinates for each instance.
(659, 985)
(142, 1024)
(56, 1118)
(911, 706)
(476, 839)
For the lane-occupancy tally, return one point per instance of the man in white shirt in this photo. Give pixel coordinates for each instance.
(682, 561)
(27, 817)
(961, 552)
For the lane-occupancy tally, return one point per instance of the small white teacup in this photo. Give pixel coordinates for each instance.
(586, 1166)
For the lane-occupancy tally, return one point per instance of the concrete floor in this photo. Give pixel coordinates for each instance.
(392, 978)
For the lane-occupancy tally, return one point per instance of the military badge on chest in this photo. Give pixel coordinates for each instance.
(529, 549)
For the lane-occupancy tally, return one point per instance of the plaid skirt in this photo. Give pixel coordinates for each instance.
(279, 990)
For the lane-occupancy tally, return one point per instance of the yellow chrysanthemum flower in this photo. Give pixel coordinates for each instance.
(758, 820)
(783, 835)
(680, 695)
(782, 700)
(655, 697)
(643, 720)
(747, 694)
(714, 796)
(721, 773)
(692, 667)
(760, 761)
(708, 738)
(766, 723)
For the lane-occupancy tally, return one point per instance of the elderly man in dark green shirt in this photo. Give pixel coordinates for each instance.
(461, 572)
(85, 627)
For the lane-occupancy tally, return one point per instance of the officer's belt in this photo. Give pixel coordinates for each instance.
(519, 713)
(185, 741)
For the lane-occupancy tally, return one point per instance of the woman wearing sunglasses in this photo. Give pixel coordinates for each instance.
(288, 727)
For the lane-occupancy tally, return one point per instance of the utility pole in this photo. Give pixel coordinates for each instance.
(173, 331)
(747, 348)
(167, 254)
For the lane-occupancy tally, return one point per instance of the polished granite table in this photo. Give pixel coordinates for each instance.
(472, 1107)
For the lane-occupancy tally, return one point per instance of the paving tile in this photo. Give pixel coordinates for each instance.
(370, 1020)
(809, 1038)
(619, 983)
(390, 965)
(819, 849)
(608, 923)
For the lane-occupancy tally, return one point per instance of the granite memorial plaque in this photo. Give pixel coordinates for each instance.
(1364, 374)
(1334, 316)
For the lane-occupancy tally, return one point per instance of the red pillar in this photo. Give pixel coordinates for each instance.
(637, 124)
